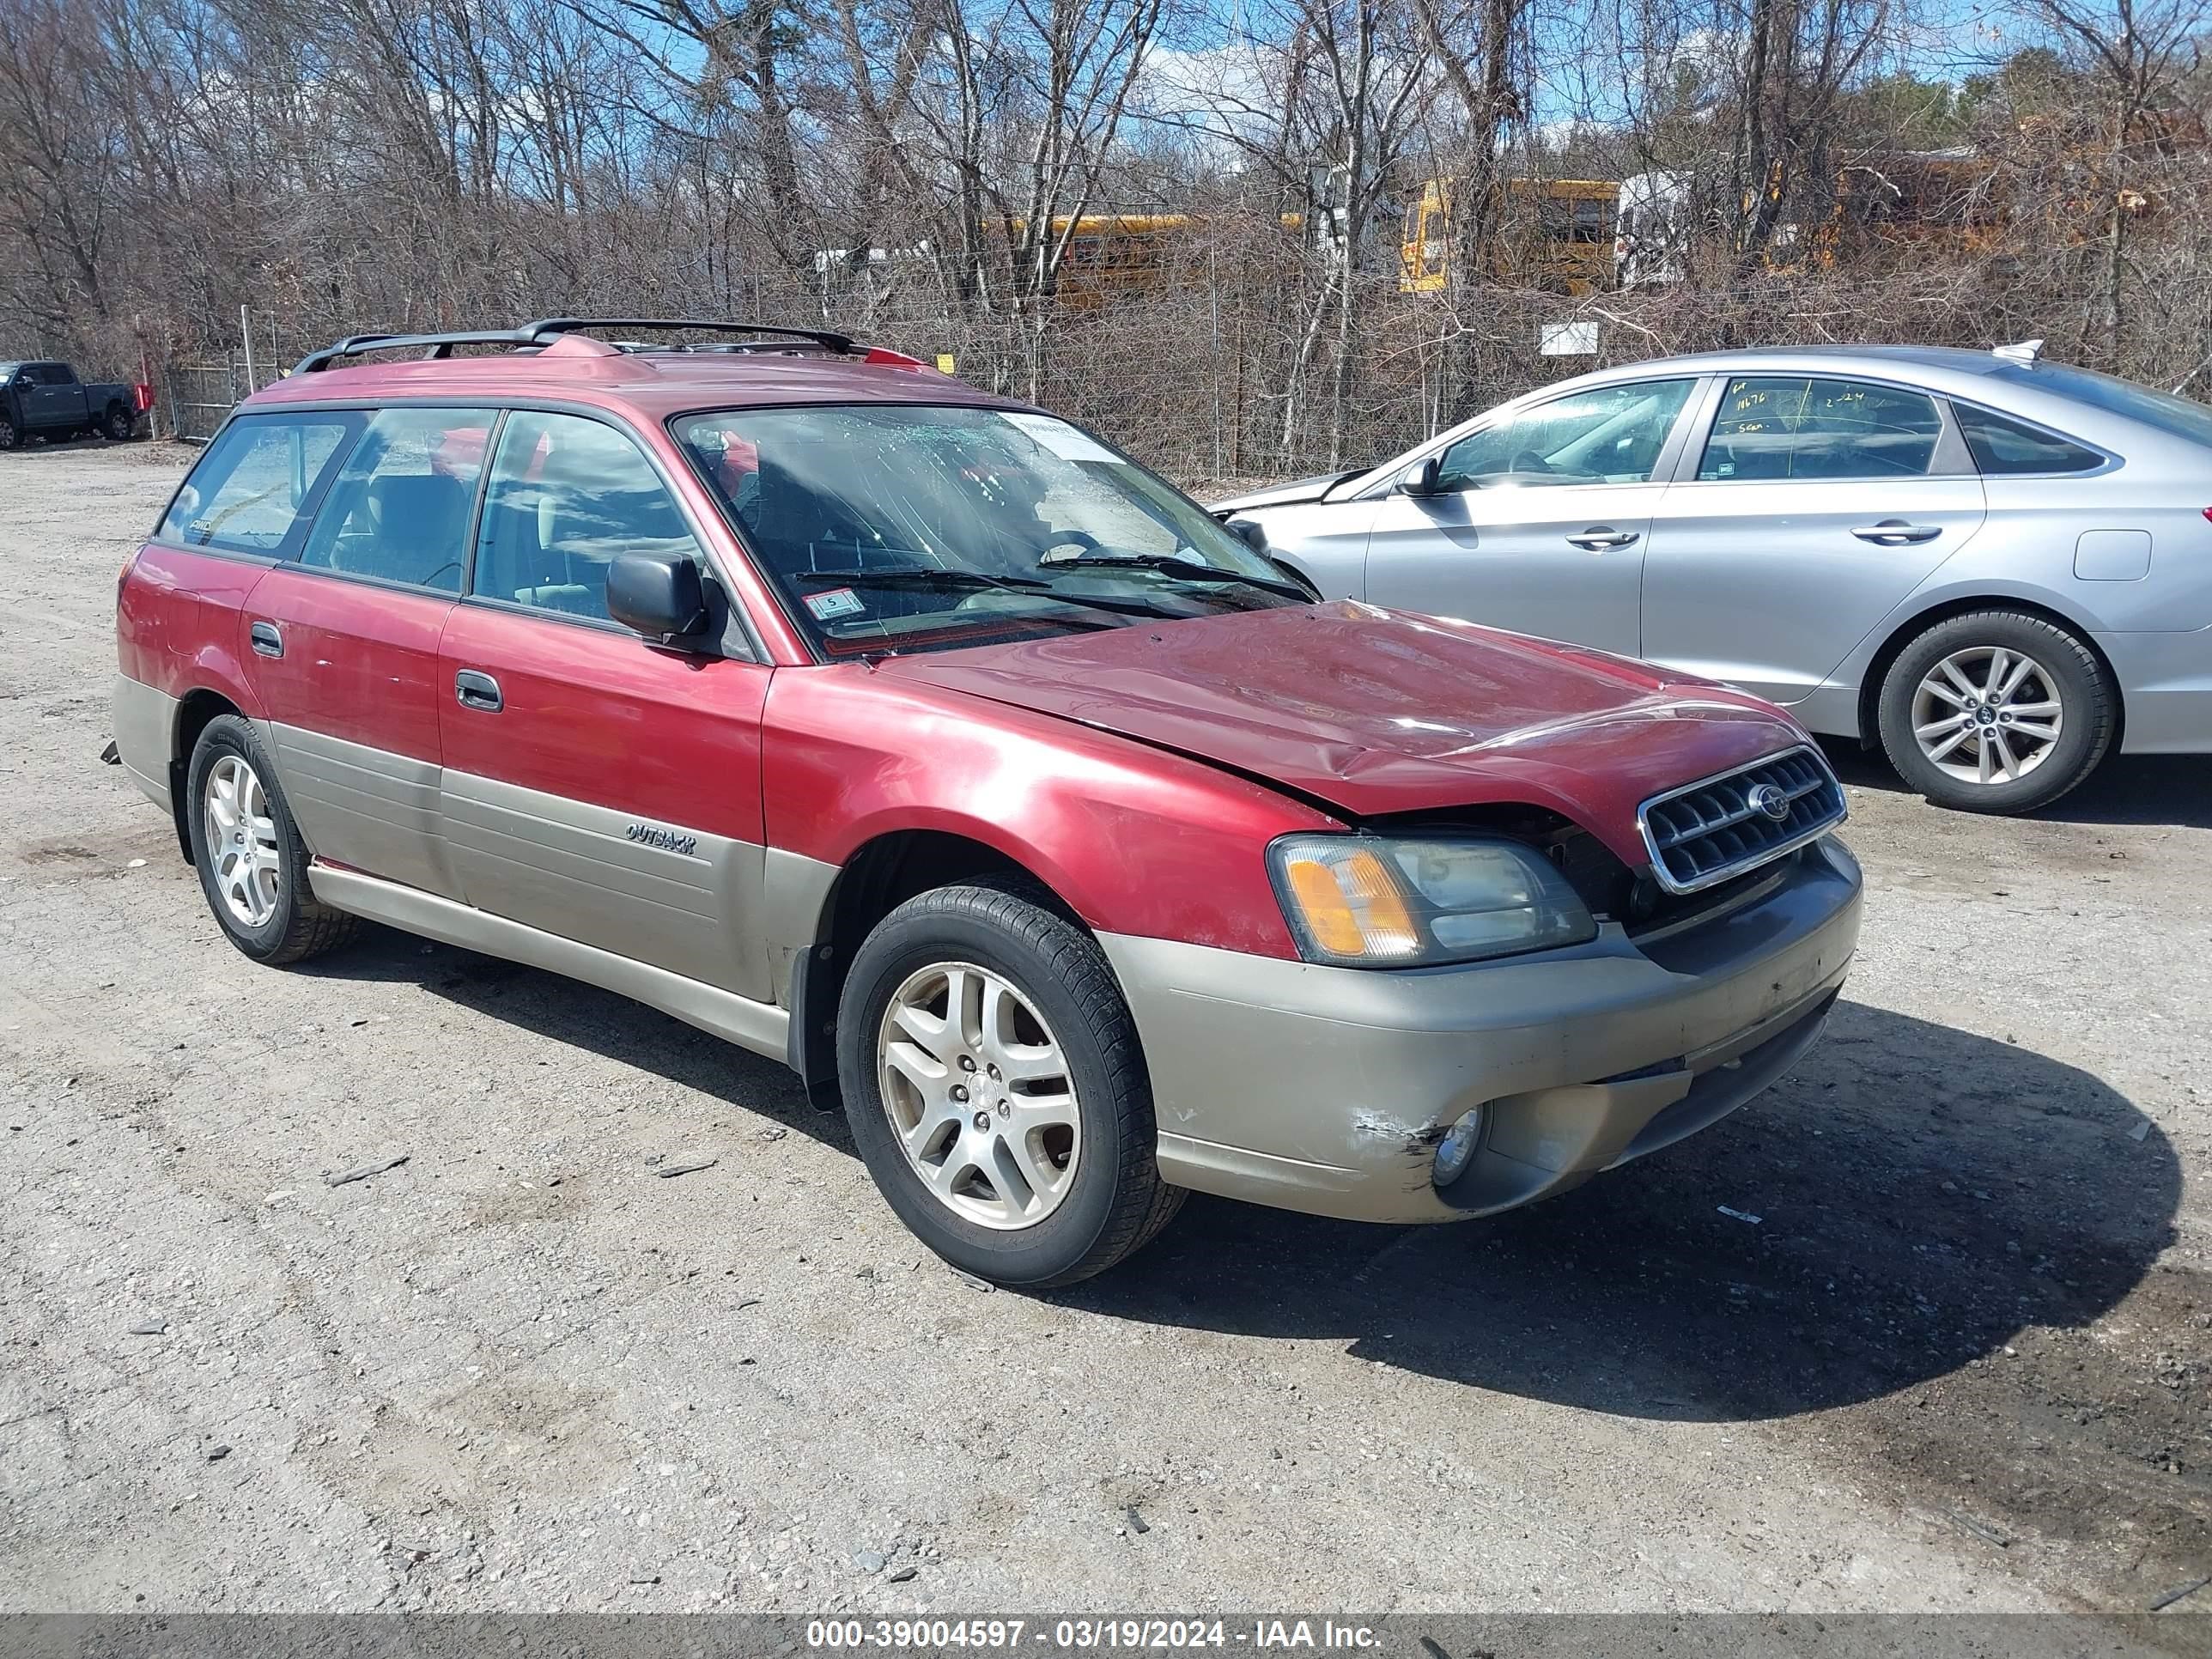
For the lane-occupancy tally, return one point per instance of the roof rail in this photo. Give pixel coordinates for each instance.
(839, 344)
(441, 345)
(546, 330)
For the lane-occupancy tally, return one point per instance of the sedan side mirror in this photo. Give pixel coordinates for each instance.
(659, 595)
(1250, 532)
(1424, 478)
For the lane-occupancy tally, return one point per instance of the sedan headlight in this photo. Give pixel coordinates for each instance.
(1377, 901)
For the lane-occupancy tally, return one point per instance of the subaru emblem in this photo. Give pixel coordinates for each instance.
(1767, 798)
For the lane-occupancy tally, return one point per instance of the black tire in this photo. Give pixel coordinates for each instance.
(119, 424)
(2088, 711)
(299, 924)
(1116, 1202)
(10, 438)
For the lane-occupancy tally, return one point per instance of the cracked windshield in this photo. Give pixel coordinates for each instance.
(907, 527)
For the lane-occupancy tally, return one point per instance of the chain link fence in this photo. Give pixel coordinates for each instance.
(197, 397)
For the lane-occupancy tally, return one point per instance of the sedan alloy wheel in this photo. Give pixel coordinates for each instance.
(1986, 714)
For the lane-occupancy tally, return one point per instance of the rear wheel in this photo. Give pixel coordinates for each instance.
(118, 423)
(1997, 712)
(252, 863)
(995, 1086)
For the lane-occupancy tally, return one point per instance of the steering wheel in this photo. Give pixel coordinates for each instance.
(1056, 539)
(431, 581)
(1529, 461)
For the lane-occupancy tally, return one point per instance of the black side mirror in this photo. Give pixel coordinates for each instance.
(1424, 478)
(660, 595)
(1250, 532)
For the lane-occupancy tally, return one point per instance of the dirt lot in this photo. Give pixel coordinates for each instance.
(1962, 1359)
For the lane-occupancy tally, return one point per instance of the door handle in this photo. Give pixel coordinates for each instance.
(477, 690)
(1895, 532)
(268, 639)
(1599, 537)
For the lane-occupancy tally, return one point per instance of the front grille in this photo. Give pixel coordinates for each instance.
(1710, 832)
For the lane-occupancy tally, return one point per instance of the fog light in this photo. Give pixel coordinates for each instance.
(1456, 1150)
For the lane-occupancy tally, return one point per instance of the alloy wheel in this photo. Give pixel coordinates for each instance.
(1987, 715)
(242, 842)
(979, 1095)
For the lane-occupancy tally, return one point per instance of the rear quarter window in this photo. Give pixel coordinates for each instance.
(2001, 446)
(255, 489)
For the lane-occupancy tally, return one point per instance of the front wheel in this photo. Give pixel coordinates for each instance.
(252, 863)
(10, 438)
(995, 1087)
(1997, 712)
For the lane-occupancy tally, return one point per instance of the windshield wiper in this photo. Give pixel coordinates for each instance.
(926, 576)
(1169, 564)
(978, 581)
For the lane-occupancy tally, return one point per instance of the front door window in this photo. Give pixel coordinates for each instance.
(1611, 435)
(566, 494)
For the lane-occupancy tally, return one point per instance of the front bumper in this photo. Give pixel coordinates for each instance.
(1326, 1088)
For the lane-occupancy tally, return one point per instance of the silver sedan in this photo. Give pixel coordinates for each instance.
(1998, 567)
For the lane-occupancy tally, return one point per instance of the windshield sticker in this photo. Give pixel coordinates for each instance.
(832, 603)
(1063, 439)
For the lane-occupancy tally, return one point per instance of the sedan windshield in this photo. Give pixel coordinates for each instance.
(917, 527)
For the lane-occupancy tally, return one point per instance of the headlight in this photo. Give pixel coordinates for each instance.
(1375, 902)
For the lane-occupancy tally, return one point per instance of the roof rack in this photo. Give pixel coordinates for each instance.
(546, 330)
(841, 344)
(439, 345)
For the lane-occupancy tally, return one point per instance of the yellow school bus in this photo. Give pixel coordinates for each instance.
(1555, 235)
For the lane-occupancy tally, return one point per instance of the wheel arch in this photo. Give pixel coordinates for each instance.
(196, 709)
(882, 872)
(1902, 634)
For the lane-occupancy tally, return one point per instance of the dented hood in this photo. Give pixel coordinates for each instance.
(1375, 711)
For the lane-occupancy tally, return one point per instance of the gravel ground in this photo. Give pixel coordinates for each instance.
(1961, 1359)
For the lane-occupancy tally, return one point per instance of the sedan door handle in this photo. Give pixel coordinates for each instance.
(478, 691)
(1895, 532)
(268, 639)
(1599, 537)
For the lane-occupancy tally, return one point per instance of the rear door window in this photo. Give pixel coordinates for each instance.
(254, 490)
(567, 495)
(399, 510)
(1790, 428)
(2001, 446)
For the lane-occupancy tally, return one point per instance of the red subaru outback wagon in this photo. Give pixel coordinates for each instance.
(921, 740)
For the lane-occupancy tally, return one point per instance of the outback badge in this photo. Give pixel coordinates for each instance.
(668, 841)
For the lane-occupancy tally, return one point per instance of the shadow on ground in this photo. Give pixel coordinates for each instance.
(2125, 789)
(1923, 1195)
(568, 1012)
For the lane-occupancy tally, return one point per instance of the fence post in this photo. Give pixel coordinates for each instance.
(1213, 293)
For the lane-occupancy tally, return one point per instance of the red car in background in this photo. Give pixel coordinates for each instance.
(921, 740)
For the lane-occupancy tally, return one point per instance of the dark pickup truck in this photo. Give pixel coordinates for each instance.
(47, 400)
